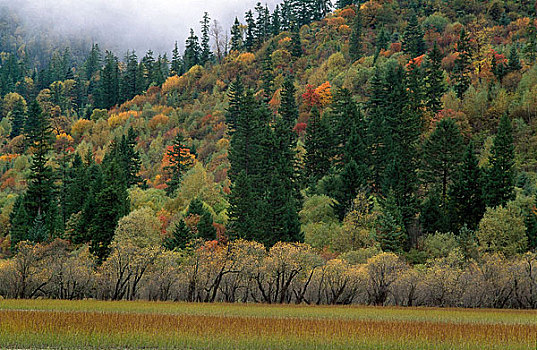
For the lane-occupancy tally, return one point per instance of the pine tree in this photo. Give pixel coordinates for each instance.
(111, 204)
(500, 177)
(205, 54)
(205, 227)
(192, 53)
(235, 96)
(148, 63)
(40, 197)
(317, 143)
(376, 125)
(250, 31)
(93, 62)
(180, 237)
(413, 42)
(461, 69)
(129, 79)
(344, 3)
(296, 43)
(435, 86)
(466, 204)
(442, 152)
(389, 227)
(355, 41)
(268, 74)
(180, 161)
(109, 81)
(18, 118)
(433, 215)
(236, 36)
(177, 62)
(514, 62)
(276, 26)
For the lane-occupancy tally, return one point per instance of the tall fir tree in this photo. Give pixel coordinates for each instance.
(461, 69)
(38, 205)
(205, 53)
(500, 176)
(249, 41)
(413, 42)
(435, 86)
(177, 62)
(355, 39)
(17, 116)
(317, 144)
(236, 36)
(179, 238)
(466, 203)
(192, 53)
(180, 162)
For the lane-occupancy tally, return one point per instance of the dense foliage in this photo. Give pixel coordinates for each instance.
(396, 126)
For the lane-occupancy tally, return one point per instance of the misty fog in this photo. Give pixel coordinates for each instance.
(130, 24)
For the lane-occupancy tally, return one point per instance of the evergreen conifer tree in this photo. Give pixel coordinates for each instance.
(435, 86)
(500, 176)
(192, 55)
(413, 42)
(236, 36)
(180, 236)
(205, 54)
(355, 40)
(461, 69)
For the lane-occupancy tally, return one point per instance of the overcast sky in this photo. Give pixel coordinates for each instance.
(138, 24)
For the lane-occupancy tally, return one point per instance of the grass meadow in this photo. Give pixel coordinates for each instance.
(100, 324)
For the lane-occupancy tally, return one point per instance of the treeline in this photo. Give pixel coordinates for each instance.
(243, 271)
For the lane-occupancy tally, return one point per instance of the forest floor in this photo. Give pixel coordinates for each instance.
(100, 324)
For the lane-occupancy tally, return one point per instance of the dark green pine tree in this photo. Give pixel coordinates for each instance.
(530, 49)
(514, 62)
(376, 128)
(206, 229)
(531, 226)
(125, 154)
(413, 42)
(402, 128)
(109, 96)
(389, 227)
(192, 53)
(248, 167)
(355, 39)
(40, 197)
(296, 42)
(433, 215)
(111, 204)
(461, 69)
(148, 63)
(76, 186)
(249, 42)
(206, 55)
(235, 96)
(236, 36)
(442, 152)
(180, 237)
(93, 62)
(262, 24)
(381, 42)
(129, 79)
(179, 164)
(435, 86)
(275, 22)
(500, 176)
(18, 118)
(177, 62)
(268, 74)
(317, 145)
(415, 89)
(283, 196)
(466, 203)
(94, 178)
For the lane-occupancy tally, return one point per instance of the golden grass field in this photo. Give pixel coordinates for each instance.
(98, 324)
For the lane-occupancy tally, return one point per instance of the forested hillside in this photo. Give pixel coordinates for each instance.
(358, 128)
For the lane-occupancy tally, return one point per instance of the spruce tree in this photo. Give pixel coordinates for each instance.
(180, 237)
(236, 36)
(111, 204)
(514, 62)
(177, 62)
(205, 53)
(235, 96)
(413, 42)
(18, 118)
(275, 22)
(192, 53)
(296, 43)
(461, 69)
(129, 79)
(500, 176)
(40, 197)
(268, 74)
(389, 226)
(435, 86)
(317, 145)
(355, 40)
(466, 203)
(250, 31)
(442, 152)
(109, 81)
